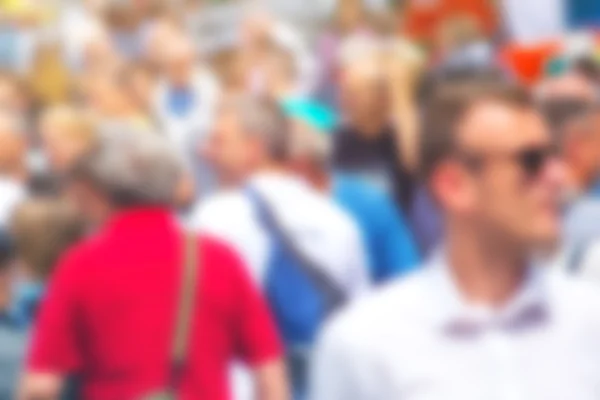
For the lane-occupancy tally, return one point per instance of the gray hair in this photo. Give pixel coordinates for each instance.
(132, 167)
(309, 143)
(263, 118)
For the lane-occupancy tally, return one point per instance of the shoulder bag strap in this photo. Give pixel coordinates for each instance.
(335, 294)
(189, 281)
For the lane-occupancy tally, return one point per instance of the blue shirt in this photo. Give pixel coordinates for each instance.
(181, 101)
(388, 240)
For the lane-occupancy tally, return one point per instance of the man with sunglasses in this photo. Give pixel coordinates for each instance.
(482, 320)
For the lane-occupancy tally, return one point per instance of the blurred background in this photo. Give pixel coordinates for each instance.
(351, 77)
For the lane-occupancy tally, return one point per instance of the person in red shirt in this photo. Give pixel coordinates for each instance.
(110, 308)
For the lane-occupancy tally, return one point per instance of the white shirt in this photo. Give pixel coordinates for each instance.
(417, 340)
(321, 229)
(11, 194)
(533, 20)
(186, 131)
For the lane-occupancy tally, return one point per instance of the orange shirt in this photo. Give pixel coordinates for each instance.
(424, 17)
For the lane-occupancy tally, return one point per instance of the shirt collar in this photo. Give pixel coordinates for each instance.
(454, 315)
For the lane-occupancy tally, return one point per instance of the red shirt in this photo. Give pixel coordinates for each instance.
(110, 309)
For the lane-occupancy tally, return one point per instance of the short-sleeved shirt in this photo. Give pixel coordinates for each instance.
(110, 309)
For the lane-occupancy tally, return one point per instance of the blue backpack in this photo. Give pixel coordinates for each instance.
(300, 294)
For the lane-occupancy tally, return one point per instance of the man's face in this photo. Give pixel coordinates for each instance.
(179, 69)
(582, 151)
(229, 149)
(505, 178)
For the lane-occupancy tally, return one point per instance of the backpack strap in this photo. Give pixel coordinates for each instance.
(189, 281)
(335, 296)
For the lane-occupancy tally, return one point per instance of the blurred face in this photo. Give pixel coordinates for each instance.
(142, 85)
(230, 151)
(582, 150)
(179, 70)
(91, 205)
(11, 98)
(350, 15)
(363, 95)
(504, 179)
(60, 149)
(13, 149)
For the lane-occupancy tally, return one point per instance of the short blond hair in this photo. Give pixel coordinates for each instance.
(75, 124)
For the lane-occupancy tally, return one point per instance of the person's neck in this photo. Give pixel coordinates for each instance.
(486, 270)
(369, 127)
(270, 168)
(320, 180)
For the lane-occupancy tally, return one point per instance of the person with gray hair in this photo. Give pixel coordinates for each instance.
(143, 301)
(130, 168)
(263, 205)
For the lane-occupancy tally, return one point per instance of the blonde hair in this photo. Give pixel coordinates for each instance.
(75, 124)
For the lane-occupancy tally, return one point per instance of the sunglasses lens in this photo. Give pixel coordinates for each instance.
(532, 161)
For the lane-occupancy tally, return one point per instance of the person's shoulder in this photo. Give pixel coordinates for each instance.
(81, 257)
(337, 218)
(219, 208)
(368, 320)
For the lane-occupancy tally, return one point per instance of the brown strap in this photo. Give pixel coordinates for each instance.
(191, 268)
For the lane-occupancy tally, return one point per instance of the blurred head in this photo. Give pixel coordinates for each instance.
(66, 135)
(160, 35)
(309, 152)
(14, 94)
(106, 94)
(141, 82)
(349, 15)
(42, 230)
(280, 73)
(363, 92)
(121, 15)
(256, 31)
(250, 133)
(125, 169)
(571, 85)
(99, 53)
(580, 148)
(570, 103)
(179, 62)
(488, 159)
(13, 146)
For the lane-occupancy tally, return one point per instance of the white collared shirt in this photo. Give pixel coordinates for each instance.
(417, 340)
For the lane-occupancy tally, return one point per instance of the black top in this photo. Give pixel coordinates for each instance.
(375, 159)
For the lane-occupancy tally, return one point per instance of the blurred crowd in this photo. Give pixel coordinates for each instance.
(322, 200)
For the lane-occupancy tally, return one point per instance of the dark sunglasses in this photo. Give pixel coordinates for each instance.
(531, 160)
